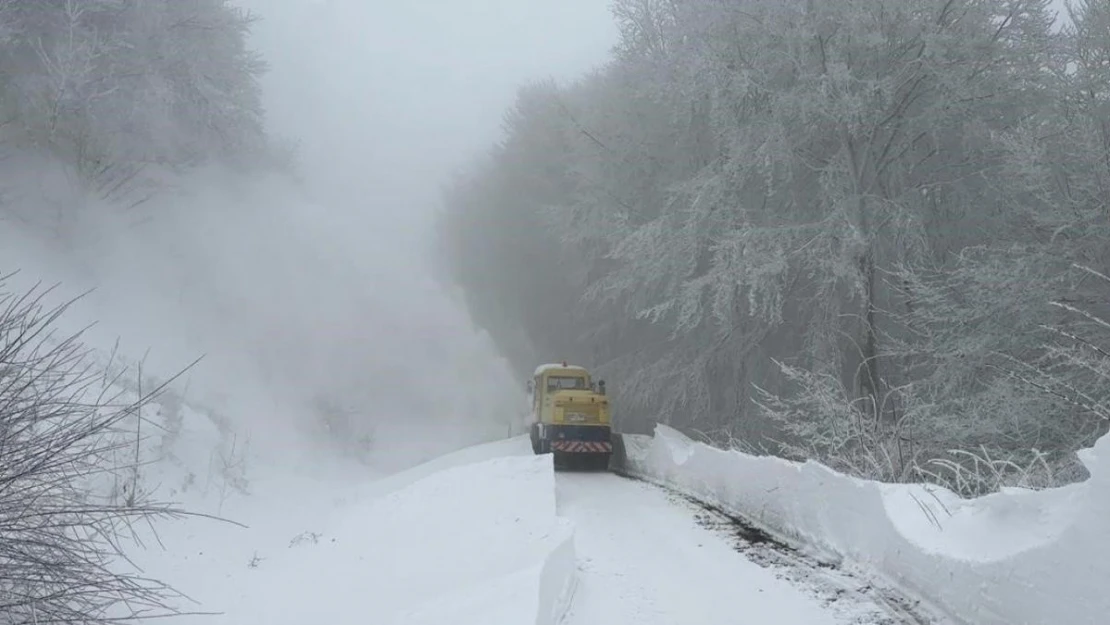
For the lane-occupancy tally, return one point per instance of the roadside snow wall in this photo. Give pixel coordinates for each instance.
(490, 520)
(474, 539)
(1018, 557)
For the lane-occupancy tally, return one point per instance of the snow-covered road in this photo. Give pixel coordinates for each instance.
(644, 559)
(491, 535)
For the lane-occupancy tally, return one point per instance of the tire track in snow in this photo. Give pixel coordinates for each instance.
(644, 561)
(859, 602)
(621, 547)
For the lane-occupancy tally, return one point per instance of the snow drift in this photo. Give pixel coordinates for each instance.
(470, 537)
(1017, 557)
(502, 506)
(479, 543)
(473, 538)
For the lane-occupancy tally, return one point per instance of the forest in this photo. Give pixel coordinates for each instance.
(103, 103)
(120, 90)
(872, 233)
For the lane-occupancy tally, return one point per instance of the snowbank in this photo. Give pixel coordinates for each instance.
(476, 543)
(516, 446)
(552, 366)
(1012, 558)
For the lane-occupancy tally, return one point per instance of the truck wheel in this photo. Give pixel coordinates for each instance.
(601, 463)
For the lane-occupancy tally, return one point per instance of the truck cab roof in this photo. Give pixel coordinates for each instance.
(559, 367)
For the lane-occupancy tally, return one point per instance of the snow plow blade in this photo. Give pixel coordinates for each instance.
(580, 461)
(579, 447)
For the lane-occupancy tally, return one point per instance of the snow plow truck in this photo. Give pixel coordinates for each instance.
(570, 417)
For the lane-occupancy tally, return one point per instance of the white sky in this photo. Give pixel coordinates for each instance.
(389, 97)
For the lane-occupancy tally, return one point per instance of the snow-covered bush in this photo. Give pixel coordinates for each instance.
(60, 541)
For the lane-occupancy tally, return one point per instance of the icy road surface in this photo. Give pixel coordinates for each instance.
(643, 559)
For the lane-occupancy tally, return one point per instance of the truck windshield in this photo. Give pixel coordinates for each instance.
(555, 383)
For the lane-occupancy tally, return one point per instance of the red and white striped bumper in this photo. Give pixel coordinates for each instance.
(594, 447)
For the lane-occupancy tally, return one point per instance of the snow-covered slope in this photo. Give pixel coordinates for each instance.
(1012, 558)
(263, 284)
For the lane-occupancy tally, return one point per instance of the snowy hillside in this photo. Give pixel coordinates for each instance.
(225, 512)
(305, 388)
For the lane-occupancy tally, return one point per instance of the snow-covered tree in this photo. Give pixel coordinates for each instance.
(839, 228)
(112, 86)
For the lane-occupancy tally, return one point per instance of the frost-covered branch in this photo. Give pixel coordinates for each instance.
(62, 552)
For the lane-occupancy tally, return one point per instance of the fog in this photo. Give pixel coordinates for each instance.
(319, 290)
(388, 97)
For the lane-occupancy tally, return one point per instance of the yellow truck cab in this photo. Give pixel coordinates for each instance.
(570, 415)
